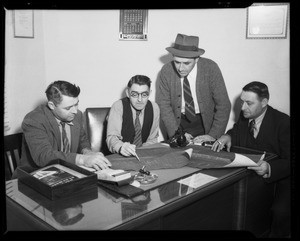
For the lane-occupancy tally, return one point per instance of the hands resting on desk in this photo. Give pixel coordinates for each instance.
(93, 159)
(263, 169)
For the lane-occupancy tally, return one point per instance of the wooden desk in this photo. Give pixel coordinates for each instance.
(237, 200)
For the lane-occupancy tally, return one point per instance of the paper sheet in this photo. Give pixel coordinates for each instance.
(241, 160)
(197, 180)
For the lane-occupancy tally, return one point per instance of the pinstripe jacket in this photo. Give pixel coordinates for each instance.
(212, 97)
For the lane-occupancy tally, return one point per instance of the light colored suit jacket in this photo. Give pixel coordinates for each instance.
(212, 97)
(42, 142)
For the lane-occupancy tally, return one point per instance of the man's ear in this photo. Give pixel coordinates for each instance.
(264, 102)
(51, 105)
(127, 92)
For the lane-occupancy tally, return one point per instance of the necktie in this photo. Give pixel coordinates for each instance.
(65, 140)
(189, 102)
(252, 127)
(137, 128)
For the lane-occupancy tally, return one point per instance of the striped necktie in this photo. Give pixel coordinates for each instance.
(189, 102)
(137, 128)
(65, 140)
(252, 127)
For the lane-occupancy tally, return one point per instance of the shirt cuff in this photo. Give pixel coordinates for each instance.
(79, 160)
(118, 146)
(86, 151)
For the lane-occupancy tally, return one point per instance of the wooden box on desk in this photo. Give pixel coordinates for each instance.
(89, 181)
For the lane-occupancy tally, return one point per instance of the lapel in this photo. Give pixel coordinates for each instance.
(54, 126)
(199, 86)
(75, 132)
(243, 130)
(178, 88)
(265, 124)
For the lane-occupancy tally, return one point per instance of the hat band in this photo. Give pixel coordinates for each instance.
(185, 48)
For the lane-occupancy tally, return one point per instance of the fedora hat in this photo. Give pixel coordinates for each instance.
(186, 46)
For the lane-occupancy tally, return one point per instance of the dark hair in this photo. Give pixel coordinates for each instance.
(140, 80)
(259, 88)
(58, 88)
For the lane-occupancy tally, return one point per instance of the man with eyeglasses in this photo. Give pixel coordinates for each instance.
(133, 121)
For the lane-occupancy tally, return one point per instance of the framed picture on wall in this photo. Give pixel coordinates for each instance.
(267, 21)
(23, 23)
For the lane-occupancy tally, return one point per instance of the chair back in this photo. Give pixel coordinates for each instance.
(12, 153)
(96, 124)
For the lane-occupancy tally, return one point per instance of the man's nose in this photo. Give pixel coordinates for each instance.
(140, 97)
(180, 67)
(74, 110)
(243, 106)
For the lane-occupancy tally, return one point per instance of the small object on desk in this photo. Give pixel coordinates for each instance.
(144, 177)
(206, 143)
(113, 175)
(179, 139)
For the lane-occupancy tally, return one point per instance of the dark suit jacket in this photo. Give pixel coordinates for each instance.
(212, 97)
(273, 136)
(42, 142)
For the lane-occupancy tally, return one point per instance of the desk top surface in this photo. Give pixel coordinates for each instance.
(102, 209)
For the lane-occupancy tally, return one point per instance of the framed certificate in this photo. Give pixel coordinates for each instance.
(23, 23)
(133, 24)
(267, 21)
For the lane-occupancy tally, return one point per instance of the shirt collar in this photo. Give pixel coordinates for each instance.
(69, 123)
(192, 74)
(259, 119)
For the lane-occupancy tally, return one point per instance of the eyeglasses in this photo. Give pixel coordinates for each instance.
(144, 95)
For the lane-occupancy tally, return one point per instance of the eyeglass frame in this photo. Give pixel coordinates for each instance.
(139, 94)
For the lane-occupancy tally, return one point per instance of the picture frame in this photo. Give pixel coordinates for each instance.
(267, 21)
(23, 23)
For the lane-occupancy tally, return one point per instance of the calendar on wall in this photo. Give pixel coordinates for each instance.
(133, 24)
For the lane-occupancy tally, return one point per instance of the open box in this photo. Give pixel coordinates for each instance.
(86, 180)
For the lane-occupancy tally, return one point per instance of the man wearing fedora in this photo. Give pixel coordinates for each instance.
(192, 94)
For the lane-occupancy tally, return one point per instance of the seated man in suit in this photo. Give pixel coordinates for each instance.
(263, 128)
(133, 121)
(55, 131)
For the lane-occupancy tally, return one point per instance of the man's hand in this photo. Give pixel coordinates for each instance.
(127, 149)
(188, 137)
(262, 169)
(96, 160)
(203, 138)
(221, 142)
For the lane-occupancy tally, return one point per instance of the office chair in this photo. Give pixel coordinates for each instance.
(96, 124)
(12, 153)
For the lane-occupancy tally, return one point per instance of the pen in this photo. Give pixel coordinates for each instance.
(137, 157)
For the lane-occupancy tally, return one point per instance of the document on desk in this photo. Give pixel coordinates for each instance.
(197, 180)
(153, 159)
(204, 158)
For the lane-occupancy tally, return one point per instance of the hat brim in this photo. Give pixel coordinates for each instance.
(185, 54)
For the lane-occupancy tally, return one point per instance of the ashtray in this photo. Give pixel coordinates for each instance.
(144, 177)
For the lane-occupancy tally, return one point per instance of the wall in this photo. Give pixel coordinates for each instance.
(82, 46)
(24, 72)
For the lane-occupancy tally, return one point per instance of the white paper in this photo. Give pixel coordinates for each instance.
(197, 180)
(241, 160)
